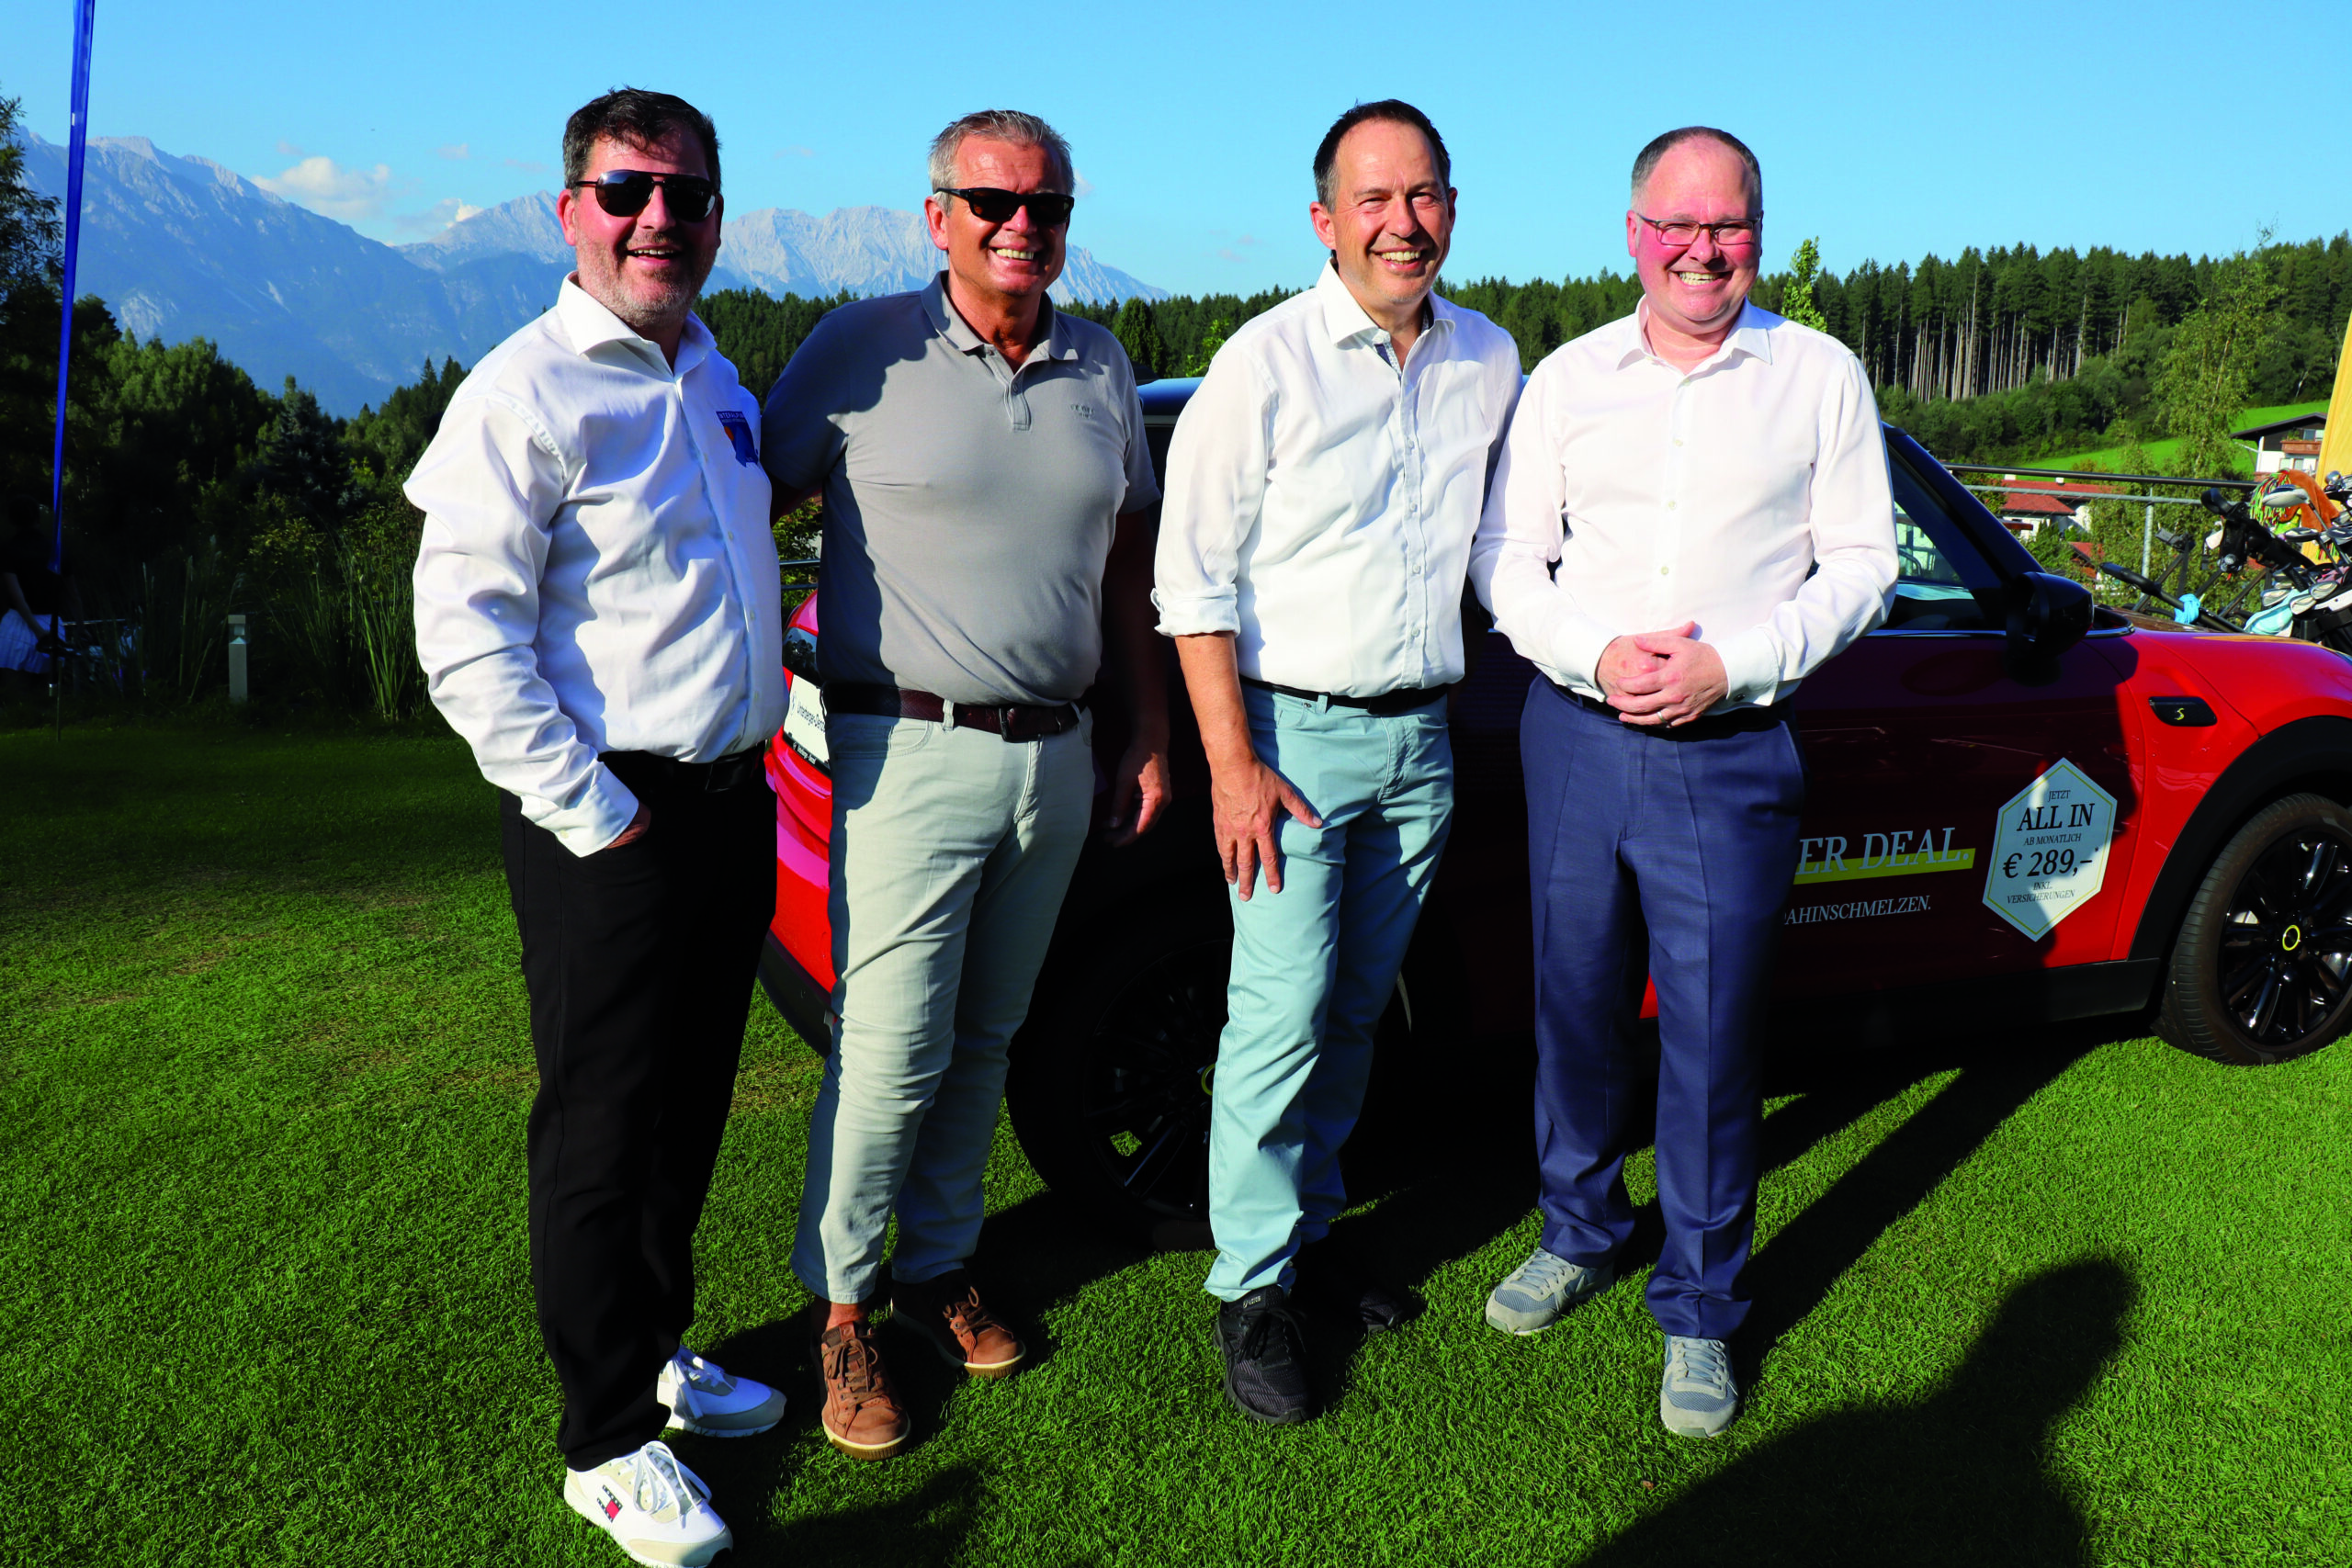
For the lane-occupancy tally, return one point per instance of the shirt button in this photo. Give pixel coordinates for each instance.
(1663, 570)
(1677, 440)
(1669, 506)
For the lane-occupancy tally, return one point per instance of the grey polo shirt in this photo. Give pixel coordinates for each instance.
(969, 503)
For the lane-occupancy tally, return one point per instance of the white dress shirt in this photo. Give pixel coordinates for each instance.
(1665, 497)
(597, 573)
(1322, 499)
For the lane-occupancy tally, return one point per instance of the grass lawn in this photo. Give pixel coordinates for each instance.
(2048, 1299)
(2162, 453)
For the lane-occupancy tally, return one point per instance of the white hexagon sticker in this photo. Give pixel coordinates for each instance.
(2050, 848)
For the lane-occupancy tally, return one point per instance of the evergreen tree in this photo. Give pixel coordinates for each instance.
(2202, 387)
(1138, 333)
(1796, 300)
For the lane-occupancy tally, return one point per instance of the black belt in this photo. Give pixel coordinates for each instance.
(733, 771)
(1389, 704)
(1013, 721)
(1706, 727)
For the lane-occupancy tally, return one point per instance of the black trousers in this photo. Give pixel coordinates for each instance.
(638, 962)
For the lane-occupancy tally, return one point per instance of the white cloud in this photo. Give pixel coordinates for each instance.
(323, 185)
(288, 150)
(795, 152)
(456, 152)
(1085, 187)
(527, 166)
(436, 217)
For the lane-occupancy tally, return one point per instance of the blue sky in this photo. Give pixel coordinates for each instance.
(1888, 131)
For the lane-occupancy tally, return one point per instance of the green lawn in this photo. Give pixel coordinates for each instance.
(2047, 1299)
(2162, 452)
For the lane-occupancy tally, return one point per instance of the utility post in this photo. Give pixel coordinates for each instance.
(237, 688)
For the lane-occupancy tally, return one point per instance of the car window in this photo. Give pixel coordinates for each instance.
(1943, 583)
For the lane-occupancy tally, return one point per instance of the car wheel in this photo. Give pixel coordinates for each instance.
(1112, 1075)
(2262, 971)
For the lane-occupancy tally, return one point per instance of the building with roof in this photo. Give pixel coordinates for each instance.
(2285, 442)
(2029, 506)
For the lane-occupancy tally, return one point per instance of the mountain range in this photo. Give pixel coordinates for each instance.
(181, 247)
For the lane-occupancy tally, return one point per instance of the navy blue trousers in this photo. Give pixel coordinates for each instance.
(1670, 858)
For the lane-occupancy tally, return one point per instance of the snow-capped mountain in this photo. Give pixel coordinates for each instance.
(181, 247)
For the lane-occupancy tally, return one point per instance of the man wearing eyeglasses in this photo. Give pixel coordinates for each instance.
(986, 520)
(597, 614)
(1691, 514)
(1323, 487)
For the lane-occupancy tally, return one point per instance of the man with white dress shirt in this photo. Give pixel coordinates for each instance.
(597, 615)
(1324, 484)
(1692, 513)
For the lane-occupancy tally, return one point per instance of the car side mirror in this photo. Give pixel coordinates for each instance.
(2047, 615)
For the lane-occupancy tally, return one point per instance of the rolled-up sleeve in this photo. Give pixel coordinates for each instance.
(1851, 514)
(490, 487)
(1519, 541)
(1216, 484)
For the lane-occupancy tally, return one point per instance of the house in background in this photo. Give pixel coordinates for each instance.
(2034, 504)
(2285, 442)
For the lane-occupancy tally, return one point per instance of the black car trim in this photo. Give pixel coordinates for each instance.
(806, 1005)
(1999, 1001)
(2315, 752)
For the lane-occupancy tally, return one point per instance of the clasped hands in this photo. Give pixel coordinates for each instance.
(1661, 678)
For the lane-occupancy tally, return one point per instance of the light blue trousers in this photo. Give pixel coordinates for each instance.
(951, 851)
(1313, 969)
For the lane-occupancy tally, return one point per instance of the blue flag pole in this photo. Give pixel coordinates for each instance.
(77, 143)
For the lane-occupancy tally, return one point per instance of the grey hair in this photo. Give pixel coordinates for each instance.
(1647, 162)
(999, 125)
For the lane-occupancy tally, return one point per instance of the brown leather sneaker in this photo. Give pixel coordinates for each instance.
(947, 1312)
(862, 1415)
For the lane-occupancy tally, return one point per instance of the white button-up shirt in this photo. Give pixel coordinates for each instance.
(1321, 498)
(1664, 497)
(598, 572)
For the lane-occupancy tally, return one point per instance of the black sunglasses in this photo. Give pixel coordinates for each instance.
(624, 193)
(990, 204)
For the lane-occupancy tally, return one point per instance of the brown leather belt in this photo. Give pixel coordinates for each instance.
(1014, 721)
(1389, 704)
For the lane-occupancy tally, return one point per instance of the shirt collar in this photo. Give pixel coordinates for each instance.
(1750, 336)
(1347, 320)
(949, 323)
(589, 326)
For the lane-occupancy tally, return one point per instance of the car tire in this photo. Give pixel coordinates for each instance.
(1109, 1088)
(2262, 971)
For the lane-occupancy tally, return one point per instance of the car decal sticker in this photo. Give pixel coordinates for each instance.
(1814, 914)
(2049, 852)
(1833, 857)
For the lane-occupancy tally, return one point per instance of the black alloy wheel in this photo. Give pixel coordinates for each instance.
(1110, 1077)
(2262, 972)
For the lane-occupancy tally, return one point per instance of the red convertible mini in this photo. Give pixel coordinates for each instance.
(2024, 808)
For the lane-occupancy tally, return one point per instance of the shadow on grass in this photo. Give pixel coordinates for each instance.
(1466, 1172)
(1958, 1477)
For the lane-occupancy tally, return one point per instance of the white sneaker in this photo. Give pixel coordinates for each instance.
(705, 1399)
(656, 1508)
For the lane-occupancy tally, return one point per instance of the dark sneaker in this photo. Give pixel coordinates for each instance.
(947, 1313)
(1329, 1280)
(1696, 1398)
(862, 1416)
(1265, 1360)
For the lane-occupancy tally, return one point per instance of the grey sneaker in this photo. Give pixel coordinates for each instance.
(1696, 1398)
(1540, 1289)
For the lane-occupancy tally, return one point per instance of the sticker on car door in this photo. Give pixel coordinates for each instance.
(2049, 854)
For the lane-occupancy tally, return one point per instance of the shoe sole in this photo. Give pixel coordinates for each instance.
(867, 1451)
(701, 1431)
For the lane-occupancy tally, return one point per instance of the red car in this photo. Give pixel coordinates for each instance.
(2024, 808)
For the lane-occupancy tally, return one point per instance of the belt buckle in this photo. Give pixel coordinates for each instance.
(1007, 716)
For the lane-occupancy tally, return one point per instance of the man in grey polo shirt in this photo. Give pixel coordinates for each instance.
(988, 500)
